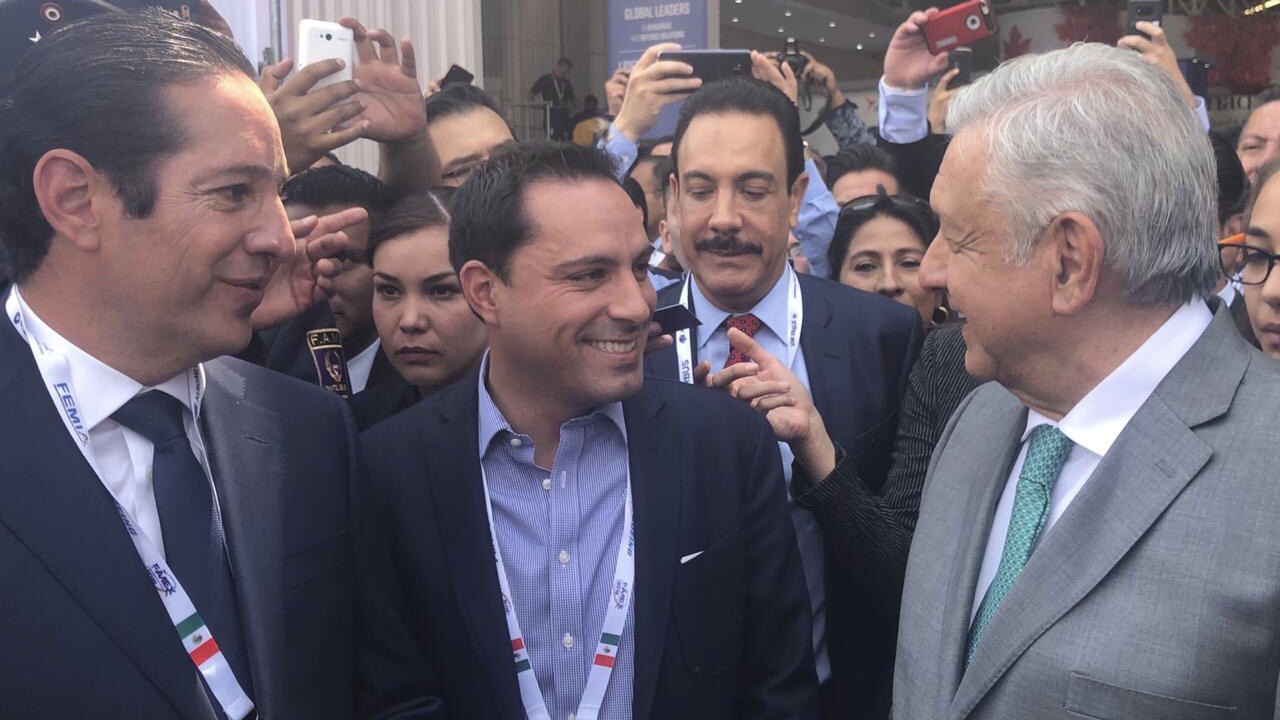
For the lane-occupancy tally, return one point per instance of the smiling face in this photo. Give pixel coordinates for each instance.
(734, 206)
(191, 273)
(1007, 306)
(465, 140)
(884, 257)
(427, 329)
(573, 318)
(1263, 301)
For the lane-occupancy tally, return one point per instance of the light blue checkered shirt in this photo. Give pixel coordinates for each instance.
(558, 531)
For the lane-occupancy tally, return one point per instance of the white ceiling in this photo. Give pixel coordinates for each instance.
(811, 26)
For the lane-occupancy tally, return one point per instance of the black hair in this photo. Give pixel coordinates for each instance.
(337, 185)
(750, 97)
(97, 87)
(489, 218)
(916, 214)
(666, 166)
(411, 213)
(589, 100)
(565, 61)
(859, 158)
(1233, 185)
(636, 193)
(457, 99)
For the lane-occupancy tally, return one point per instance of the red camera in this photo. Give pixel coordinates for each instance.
(959, 26)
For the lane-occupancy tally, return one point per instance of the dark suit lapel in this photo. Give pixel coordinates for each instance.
(1150, 464)
(657, 463)
(451, 450)
(54, 504)
(826, 358)
(246, 457)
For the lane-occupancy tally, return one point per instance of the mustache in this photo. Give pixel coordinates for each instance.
(727, 243)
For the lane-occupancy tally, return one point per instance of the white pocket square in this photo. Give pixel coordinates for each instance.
(690, 556)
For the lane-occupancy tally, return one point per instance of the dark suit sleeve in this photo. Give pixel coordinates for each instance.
(918, 162)
(392, 679)
(778, 678)
(869, 534)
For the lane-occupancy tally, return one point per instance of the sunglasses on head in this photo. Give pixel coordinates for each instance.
(882, 200)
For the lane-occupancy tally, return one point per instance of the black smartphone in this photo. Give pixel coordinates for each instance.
(961, 58)
(674, 318)
(1151, 11)
(712, 65)
(457, 76)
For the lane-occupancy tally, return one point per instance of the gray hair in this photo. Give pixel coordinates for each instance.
(1098, 130)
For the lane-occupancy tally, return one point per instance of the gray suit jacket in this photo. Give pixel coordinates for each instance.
(1156, 595)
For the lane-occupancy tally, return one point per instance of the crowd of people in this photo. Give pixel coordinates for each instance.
(968, 420)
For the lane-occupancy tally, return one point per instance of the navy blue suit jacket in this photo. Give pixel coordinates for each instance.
(84, 632)
(724, 635)
(859, 349)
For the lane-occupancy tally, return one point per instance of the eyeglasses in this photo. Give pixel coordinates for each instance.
(884, 201)
(1247, 264)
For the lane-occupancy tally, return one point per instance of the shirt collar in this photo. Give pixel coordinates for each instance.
(1098, 419)
(771, 310)
(100, 389)
(493, 423)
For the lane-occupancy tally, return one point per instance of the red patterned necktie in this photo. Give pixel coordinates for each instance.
(749, 324)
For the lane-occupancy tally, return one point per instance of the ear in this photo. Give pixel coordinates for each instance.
(667, 248)
(798, 189)
(1076, 256)
(480, 286)
(73, 196)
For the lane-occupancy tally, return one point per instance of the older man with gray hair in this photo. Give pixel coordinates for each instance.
(1100, 531)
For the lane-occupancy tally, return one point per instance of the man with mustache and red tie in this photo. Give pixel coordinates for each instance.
(738, 185)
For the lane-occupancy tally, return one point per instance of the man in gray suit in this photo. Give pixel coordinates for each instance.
(1100, 531)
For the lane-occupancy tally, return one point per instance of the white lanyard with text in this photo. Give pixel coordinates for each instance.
(615, 619)
(196, 639)
(795, 322)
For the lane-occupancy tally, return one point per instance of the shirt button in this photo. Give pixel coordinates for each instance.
(546, 484)
(564, 557)
(515, 442)
(567, 641)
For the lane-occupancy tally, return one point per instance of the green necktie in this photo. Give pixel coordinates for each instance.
(1031, 506)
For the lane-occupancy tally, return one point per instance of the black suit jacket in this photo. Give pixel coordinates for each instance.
(85, 634)
(859, 349)
(725, 635)
(284, 349)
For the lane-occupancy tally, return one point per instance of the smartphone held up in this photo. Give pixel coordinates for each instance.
(320, 40)
(959, 26)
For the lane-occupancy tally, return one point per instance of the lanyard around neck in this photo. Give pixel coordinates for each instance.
(795, 323)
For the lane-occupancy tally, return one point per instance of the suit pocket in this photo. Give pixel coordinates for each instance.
(708, 607)
(1091, 698)
(303, 566)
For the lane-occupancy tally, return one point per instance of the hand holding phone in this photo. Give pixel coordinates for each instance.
(322, 40)
(961, 60)
(959, 26)
(1137, 11)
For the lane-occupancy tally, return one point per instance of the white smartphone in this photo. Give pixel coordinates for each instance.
(322, 40)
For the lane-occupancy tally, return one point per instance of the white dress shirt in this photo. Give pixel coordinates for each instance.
(360, 366)
(123, 456)
(1094, 424)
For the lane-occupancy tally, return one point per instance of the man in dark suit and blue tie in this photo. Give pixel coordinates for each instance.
(180, 534)
(575, 539)
(738, 185)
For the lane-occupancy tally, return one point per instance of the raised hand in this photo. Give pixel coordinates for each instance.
(908, 64)
(1157, 52)
(388, 84)
(651, 86)
(307, 277)
(311, 123)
